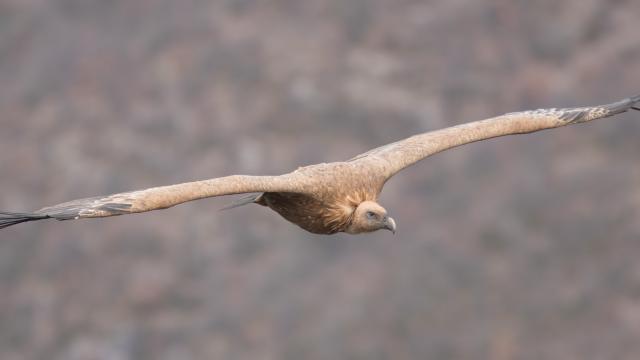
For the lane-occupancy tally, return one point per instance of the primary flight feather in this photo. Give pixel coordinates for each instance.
(327, 198)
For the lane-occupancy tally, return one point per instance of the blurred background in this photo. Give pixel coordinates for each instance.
(523, 247)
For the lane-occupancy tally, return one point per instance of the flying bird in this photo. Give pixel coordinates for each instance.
(327, 198)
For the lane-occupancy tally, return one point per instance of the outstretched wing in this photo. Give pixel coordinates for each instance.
(396, 156)
(161, 197)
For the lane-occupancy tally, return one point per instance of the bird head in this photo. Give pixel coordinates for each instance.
(370, 216)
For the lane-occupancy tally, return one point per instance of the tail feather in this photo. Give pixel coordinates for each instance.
(11, 218)
(244, 200)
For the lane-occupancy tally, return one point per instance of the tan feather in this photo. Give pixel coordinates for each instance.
(394, 157)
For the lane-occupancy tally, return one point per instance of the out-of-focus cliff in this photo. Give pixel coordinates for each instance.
(524, 247)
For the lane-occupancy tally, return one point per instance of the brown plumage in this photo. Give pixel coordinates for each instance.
(327, 198)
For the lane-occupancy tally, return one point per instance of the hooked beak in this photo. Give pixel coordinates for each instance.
(390, 224)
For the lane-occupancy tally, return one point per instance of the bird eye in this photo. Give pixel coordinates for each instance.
(371, 215)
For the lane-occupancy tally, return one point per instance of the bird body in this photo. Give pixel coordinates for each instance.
(327, 198)
(329, 208)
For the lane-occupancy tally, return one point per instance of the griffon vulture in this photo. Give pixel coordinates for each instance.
(326, 198)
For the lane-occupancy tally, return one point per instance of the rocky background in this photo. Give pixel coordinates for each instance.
(524, 247)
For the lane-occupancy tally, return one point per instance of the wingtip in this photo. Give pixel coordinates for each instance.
(630, 103)
(635, 102)
(11, 218)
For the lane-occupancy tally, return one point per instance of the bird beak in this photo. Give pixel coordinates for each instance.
(390, 224)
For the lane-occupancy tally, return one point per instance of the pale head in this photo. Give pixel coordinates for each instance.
(370, 216)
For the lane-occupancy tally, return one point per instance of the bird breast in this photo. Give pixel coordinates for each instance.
(311, 214)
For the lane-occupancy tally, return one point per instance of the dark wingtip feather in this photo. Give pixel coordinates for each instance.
(11, 218)
(635, 100)
(623, 105)
(578, 115)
